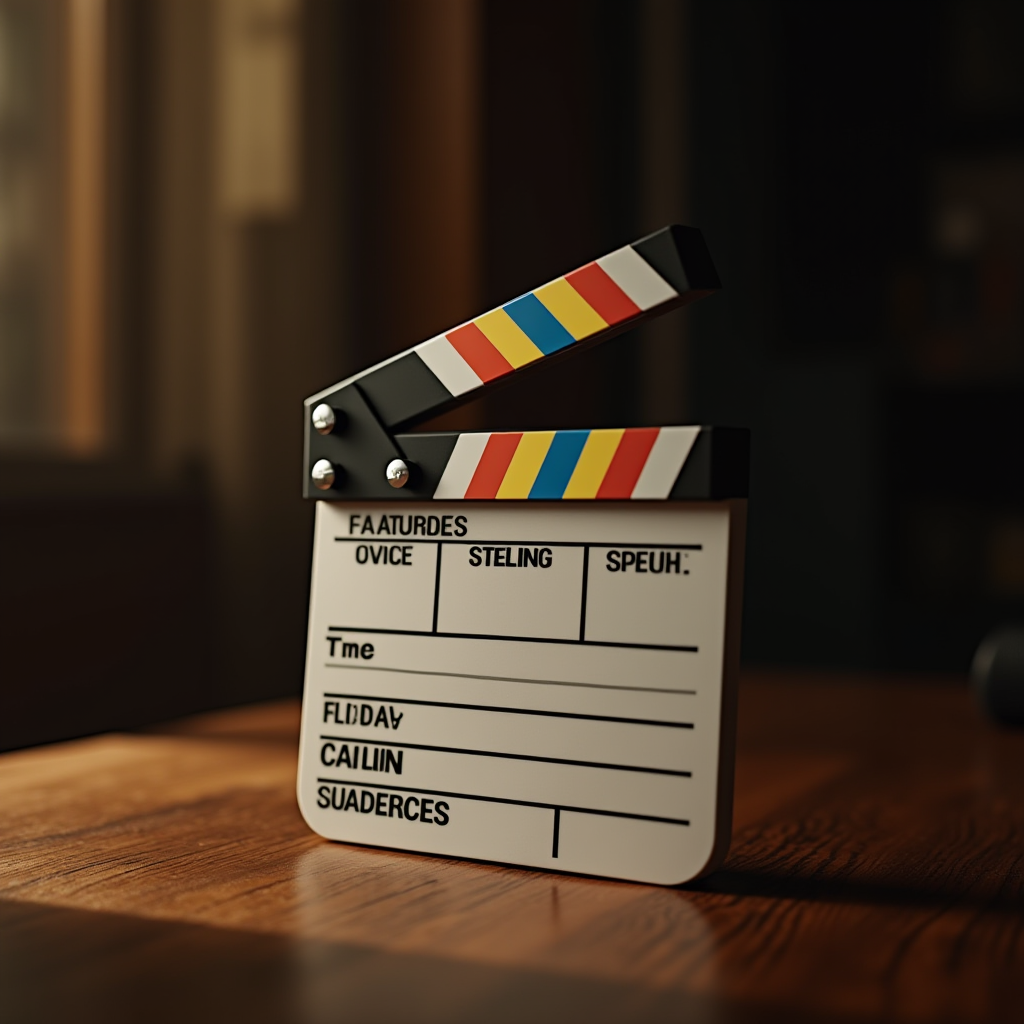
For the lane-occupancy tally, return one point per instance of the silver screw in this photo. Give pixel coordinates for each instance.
(324, 418)
(323, 474)
(397, 473)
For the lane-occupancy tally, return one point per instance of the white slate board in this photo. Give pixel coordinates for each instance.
(542, 684)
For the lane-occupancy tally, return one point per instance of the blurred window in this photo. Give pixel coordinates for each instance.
(52, 212)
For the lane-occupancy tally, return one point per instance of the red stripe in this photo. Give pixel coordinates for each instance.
(628, 462)
(471, 343)
(493, 464)
(606, 297)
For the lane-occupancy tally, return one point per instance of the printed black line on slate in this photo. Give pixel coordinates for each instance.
(534, 543)
(503, 679)
(504, 800)
(507, 756)
(515, 639)
(583, 598)
(437, 586)
(508, 710)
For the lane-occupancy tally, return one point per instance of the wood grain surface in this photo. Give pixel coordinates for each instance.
(876, 873)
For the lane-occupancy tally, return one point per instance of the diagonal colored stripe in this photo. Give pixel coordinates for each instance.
(471, 343)
(627, 463)
(593, 464)
(665, 462)
(534, 319)
(610, 301)
(492, 466)
(637, 278)
(525, 464)
(570, 309)
(559, 463)
(461, 466)
(448, 366)
(507, 337)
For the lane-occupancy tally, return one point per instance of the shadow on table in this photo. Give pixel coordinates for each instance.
(879, 893)
(60, 964)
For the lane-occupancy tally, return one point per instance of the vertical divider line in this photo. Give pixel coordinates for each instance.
(437, 585)
(583, 596)
(554, 836)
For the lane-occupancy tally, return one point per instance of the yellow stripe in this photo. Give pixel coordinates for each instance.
(570, 309)
(525, 464)
(508, 338)
(593, 463)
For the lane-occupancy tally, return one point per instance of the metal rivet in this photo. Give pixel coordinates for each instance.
(324, 418)
(323, 474)
(397, 473)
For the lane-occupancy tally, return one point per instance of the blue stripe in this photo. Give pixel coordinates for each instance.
(537, 323)
(559, 463)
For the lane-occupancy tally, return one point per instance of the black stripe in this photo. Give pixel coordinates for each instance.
(404, 390)
(717, 467)
(680, 255)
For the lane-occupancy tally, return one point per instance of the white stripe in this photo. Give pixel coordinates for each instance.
(637, 278)
(665, 462)
(461, 466)
(447, 365)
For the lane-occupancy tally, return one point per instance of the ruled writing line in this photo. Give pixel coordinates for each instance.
(520, 639)
(518, 543)
(507, 679)
(511, 711)
(510, 757)
(507, 800)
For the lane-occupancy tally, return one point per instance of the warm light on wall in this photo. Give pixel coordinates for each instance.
(258, 64)
(85, 364)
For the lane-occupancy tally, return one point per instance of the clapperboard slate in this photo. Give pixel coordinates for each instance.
(523, 645)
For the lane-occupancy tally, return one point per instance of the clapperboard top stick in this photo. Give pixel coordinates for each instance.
(354, 450)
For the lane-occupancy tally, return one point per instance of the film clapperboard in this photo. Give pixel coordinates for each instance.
(523, 646)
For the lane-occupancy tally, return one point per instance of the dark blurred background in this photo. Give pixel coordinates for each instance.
(209, 210)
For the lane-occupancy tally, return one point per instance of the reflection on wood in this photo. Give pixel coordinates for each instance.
(874, 875)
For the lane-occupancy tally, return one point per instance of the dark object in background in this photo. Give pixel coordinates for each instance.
(998, 674)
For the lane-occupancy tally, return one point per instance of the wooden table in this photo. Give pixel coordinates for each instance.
(876, 873)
